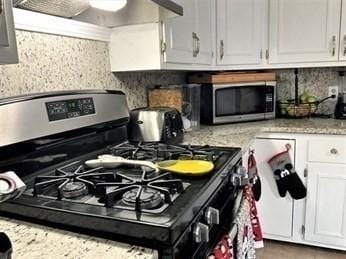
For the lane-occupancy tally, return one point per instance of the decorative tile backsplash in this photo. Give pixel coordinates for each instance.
(50, 62)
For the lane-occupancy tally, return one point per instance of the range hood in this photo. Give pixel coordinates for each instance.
(135, 11)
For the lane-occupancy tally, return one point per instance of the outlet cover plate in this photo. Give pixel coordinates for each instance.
(333, 90)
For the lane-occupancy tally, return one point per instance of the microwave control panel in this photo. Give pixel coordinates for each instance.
(269, 99)
(72, 108)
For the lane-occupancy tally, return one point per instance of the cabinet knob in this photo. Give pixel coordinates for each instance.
(334, 151)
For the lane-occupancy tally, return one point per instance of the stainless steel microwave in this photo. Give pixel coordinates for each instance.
(8, 44)
(236, 102)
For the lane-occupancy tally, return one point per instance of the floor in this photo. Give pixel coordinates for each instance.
(281, 250)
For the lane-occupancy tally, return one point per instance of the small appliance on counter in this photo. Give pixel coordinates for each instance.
(185, 98)
(234, 97)
(159, 124)
(340, 108)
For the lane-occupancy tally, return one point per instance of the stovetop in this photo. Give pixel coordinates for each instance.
(127, 188)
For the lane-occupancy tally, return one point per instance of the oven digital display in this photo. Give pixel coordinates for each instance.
(73, 108)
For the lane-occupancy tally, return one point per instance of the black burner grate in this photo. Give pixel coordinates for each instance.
(140, 193)
(71, 181)
(160, 151)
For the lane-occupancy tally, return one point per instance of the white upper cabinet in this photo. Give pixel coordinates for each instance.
(241, 31)
(177, 33)
(188, 38)
(304, 30)
(203, 29)
(342, 52)
(325, 220)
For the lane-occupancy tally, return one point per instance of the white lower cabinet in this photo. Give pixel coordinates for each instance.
(325, 220)
(320, 162)
(275, 212)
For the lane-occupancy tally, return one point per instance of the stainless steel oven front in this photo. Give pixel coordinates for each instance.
(226, 103)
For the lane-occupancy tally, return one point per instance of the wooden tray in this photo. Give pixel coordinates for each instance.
(230, 77)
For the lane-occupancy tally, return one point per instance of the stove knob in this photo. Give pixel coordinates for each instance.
(212, 216)
(239, 177)
(201, 233)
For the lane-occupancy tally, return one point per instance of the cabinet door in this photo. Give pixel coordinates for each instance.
(325, 220)
(240, 31)
(203, 32)
(304, 30)
(177, 33)
(342, 52)
(275, 212)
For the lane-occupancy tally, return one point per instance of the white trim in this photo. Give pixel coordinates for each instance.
(37, 22)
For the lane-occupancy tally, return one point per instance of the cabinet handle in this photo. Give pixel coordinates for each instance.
(195, 44)
(333, 45)
(344, 45)
(261, 54)
(198, 44)
(222, 49)
(334, 151)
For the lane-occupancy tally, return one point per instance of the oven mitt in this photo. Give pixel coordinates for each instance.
(286, 177)
(253, 174)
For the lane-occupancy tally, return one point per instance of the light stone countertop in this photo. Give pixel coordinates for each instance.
(36, 241)
(243, 134)
(41, 242)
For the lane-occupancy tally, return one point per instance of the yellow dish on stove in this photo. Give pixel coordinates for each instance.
(186, 167)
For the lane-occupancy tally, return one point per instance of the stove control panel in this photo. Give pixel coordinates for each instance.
(72, 108)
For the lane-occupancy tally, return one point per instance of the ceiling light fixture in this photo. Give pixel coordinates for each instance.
(108, 5)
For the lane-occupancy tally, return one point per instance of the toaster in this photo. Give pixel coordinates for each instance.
(159, 124)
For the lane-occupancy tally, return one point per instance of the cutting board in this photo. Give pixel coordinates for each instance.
(230, 77)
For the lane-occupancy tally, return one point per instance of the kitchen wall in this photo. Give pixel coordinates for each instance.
(49, 62)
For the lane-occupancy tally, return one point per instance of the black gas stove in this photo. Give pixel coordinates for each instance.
(180, 216)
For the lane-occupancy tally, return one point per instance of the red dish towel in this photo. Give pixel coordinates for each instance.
(223, 249)
(256, 227)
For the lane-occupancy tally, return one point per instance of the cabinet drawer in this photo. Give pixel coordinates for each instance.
(330, 151)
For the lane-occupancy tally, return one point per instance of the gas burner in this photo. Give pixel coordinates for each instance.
(160, 151)
(148, 198)
(71, 181)
(142, 193)
(74, 190)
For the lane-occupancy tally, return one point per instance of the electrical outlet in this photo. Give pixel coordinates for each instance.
(333, 90)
